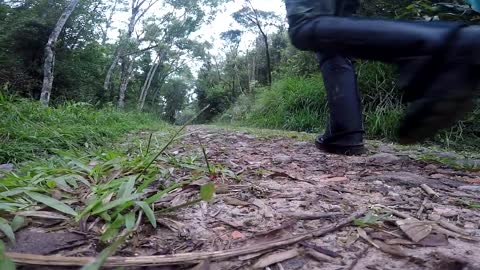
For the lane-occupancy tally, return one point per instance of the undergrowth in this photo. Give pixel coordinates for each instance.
(29, 131)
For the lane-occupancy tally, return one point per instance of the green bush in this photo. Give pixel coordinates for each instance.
(27, 129)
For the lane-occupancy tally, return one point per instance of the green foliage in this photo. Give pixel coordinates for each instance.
(5, 263)
(207, 192)
(28, 130)
(370, 220)
(468, 204)
(114, 185)
(292, 103)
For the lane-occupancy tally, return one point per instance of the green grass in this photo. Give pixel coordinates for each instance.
(119, 187)
(297, 104)
(29, 131)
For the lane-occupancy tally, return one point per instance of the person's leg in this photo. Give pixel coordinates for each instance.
(431, 52)
(344, 132)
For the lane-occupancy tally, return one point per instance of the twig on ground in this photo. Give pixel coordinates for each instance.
(422, 208)
(319, 256)
(177, 259)
(312, 216)
(429, 191)
(447, 225)
(395, 212)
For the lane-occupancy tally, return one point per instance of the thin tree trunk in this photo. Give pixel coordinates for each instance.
(49, 63)
(127, 69)
(111, 69)
(269, 60)
(265, 40)
(148, 82)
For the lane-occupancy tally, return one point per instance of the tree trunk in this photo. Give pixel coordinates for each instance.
(148, 83)
(49, 63)
(269, 60)
(111, 69)
(127, 69)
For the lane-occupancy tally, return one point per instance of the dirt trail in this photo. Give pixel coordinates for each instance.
(285, 186)
(270, 188)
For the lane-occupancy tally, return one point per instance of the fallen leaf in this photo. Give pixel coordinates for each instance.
(414, 229)
(234, 201)
(363, 234)
(276, 258)
(392, 250)
(435, 240)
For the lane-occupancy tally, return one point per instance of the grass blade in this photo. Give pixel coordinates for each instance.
(17, 223)
(5, 263)
(116, 203)
(148, 212)
(52, 203)
(130, 221)
(7, 230)
(207, 192)
(169, 143)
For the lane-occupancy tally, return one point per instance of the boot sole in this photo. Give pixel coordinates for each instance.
(342, 150)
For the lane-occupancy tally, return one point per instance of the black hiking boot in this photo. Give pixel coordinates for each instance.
(328, 145)
(344, 133)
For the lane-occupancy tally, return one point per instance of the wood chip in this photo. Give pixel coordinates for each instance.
(276, 258)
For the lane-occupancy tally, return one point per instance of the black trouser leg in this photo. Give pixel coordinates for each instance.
(346, 121)
(384, 40)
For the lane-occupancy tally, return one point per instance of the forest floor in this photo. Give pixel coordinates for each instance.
(282, 204)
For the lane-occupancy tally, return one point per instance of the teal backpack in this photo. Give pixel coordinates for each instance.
(475, 4)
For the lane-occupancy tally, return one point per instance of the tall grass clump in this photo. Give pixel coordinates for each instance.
(28, 130)
(293, 103)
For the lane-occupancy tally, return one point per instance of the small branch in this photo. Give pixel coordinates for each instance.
(181, 259)
(429, 191)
